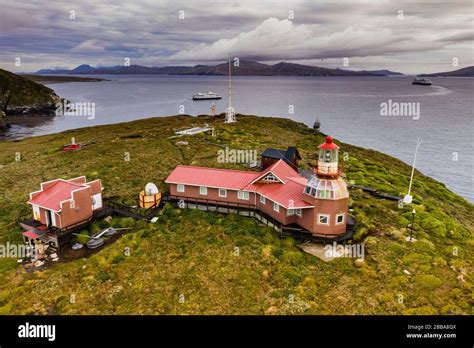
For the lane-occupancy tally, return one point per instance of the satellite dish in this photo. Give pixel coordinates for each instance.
(407, 199)
(151, 189)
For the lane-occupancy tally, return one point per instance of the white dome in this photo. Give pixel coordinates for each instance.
(326, 188)
(151, 189)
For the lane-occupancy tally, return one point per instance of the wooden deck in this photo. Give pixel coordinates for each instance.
(249, 210)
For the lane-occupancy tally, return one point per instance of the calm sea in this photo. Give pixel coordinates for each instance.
(348, 108)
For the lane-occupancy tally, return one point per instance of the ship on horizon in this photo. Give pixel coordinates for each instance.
(206, 96)
(421, 81)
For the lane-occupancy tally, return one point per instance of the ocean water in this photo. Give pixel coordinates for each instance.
(348, 108)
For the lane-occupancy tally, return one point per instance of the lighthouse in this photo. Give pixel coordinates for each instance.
(328, 192)
(328, 159)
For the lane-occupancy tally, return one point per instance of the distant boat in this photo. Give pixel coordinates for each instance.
(421, 81)
(206, 96)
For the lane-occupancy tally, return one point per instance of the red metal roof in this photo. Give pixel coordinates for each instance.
(211, 177)
(329, 145)
(289, 193)
(30, 234)
(53, 195)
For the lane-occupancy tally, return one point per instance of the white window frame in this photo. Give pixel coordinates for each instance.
(224, 191)
(323, 215)
(339, 215)
(203, 190)
(270, 177)
(243, 195)
(180, 188)
(276, 207)
(262, 199)
(299, 212)
(290, 211)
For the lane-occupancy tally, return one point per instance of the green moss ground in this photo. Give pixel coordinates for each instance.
(188, 263)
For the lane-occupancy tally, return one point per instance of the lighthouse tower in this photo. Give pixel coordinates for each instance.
(328, 159)
(328, 192)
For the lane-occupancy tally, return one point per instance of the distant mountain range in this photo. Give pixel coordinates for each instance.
(464, 72)
(245, 68)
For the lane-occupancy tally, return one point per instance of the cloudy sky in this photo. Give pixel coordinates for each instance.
(407, 36)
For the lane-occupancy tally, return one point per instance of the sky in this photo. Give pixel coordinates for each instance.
(407, 36)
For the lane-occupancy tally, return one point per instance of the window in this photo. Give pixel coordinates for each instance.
(262, 199)
(328, 156)
(293, 211)
(271, 177)
(323, 194)
(307, 189)
(203, 190)
(339, 218)
(323, 219)
(243, 195)
(180, 188)
(222, 193)
(276, 207)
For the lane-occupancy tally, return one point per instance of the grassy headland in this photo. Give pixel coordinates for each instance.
(61, 79)
(191, 255)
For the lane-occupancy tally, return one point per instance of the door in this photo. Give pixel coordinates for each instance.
(49, 219)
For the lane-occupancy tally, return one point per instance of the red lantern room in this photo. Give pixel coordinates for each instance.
(328, 159)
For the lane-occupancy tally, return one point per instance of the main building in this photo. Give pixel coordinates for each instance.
(318, 205)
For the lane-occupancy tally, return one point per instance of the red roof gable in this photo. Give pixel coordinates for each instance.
(53, 195)
(280, 169)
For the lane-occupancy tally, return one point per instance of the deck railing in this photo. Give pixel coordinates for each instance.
(252, 211)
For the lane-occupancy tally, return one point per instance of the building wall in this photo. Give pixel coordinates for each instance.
(79, 180)
(308, 220)
(55, 217)
(82, 209)
(96, 186)
(332, 208)
(212, 194)
(280, 216)
(267, 161)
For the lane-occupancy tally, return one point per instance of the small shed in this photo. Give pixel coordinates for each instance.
(290, 156)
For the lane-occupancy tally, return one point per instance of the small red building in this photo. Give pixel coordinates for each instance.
(318, 205)
(59, 206)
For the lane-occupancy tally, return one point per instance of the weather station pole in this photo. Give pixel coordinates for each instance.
(412, 223)
(408, 198)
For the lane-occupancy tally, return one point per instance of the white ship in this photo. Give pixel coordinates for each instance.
(206, 96)
(421, 81)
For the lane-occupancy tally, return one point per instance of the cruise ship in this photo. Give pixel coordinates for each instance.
(421, 81)
(206, 96)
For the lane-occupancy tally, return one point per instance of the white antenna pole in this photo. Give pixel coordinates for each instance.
(230, 114)
(230, 84)
(418, 142)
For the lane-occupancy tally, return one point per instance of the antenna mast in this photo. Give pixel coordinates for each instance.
(230, 113)
(408, 198)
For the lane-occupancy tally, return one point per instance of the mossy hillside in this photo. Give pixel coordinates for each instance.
(193, 253)
(23, 91)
